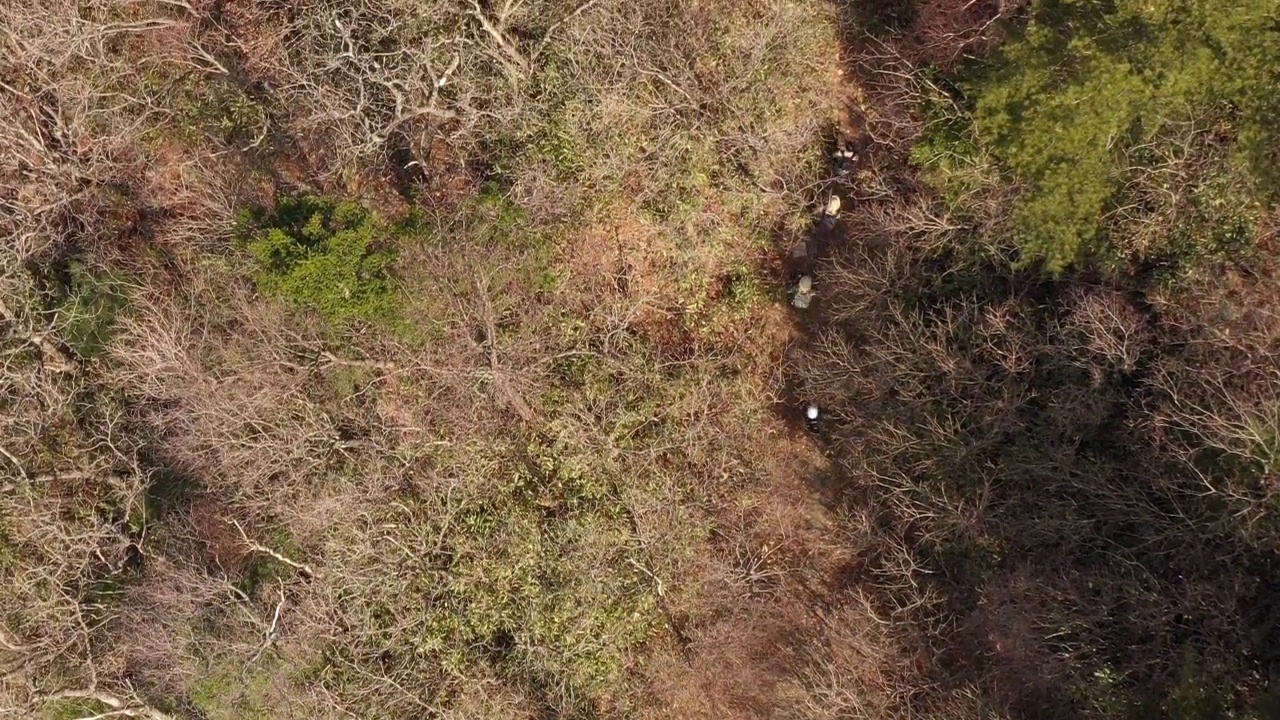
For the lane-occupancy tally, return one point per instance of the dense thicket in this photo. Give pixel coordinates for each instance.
(1102, 109)
(1050, 345)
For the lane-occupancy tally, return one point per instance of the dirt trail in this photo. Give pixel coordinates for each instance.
(802, 613)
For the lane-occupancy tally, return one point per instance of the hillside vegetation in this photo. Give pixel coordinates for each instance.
(1049, 345)
(390, 359)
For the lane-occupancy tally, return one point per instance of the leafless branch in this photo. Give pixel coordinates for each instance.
(303, 568)
(550, 34)
(512, 57)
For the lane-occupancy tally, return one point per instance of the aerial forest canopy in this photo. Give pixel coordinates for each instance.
(811, 360)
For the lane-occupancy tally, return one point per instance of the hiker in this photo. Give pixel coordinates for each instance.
(802, 294)
(811, 418)
(827, 221)
(843, 157)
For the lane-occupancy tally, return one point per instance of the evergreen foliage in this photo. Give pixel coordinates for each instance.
(331, 256)
(1085, 81)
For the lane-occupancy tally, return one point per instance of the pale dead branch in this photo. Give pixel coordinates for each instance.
(302, 568)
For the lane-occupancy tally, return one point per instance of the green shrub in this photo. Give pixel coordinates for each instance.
(88, 300)
(72, 709)
(1083, 83)
(227, 690)
(539, 582)
(529, 572)
(331, 256)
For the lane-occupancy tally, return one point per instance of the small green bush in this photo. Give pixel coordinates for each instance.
(72, 709)
(327, 255)
(88, 300)
(227, 691)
